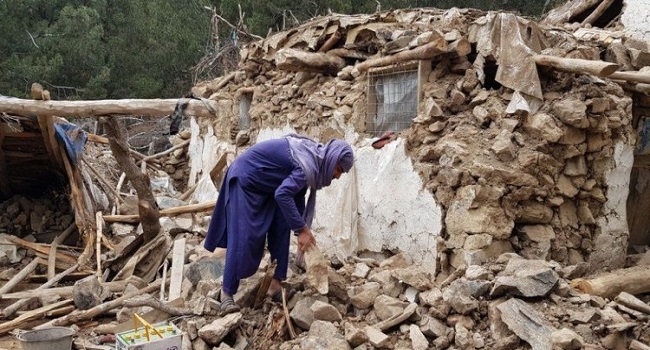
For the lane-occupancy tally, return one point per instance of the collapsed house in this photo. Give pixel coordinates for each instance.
(492, 154)
(479, 137)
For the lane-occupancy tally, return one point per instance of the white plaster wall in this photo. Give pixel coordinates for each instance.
(611, 244)
(394, 210)
(380, 204)
(636, 18)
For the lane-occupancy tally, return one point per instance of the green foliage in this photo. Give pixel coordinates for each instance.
(101, 48)
(93, 49)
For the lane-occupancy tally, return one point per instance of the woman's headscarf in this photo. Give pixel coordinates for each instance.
(318, 162)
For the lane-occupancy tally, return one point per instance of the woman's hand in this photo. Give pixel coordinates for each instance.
(305, 239)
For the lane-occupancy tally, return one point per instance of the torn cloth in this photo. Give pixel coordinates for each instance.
(71, 136)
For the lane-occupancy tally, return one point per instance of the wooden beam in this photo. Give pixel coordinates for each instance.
(17, 278)
(602, 7)
(192, 208)
(294, 60)
(576, 65)
(39, 248)
(633, 76)
(152, 108)
(64, 292)
(31, 315)
(633, 280)
(437, 46)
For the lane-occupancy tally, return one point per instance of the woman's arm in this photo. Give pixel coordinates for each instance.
(285, 195)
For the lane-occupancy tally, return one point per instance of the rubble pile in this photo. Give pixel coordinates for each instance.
(22, 216)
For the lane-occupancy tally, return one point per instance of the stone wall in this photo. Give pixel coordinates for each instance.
(550, 184)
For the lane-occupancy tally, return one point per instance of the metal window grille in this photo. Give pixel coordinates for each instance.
(244, 107)
(392, 101)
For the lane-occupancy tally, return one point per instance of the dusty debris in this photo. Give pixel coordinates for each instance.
(520, 145)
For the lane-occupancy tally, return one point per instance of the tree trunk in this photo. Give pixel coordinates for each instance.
(436, 47)
(147, 206)
(576, 65)
(633, 280)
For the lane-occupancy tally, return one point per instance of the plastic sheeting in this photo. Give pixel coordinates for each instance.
(511, 41)
(72, 137)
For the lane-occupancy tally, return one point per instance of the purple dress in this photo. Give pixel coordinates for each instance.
(262, 198)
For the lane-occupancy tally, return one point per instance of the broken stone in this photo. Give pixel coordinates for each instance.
(572, 136)
(565, 187)
(584, 316)
(567, 339)
(376, 337)
(325, 312)
(538, 233)
(411, 294)
(432, 327)
(527, 278)
(88, 293)
(205, 268)
(214, 332)
(387, 307)
(572, 112)
(503, 147)
(317, 270)
(568, 215)
(463, 338)
(365, 298)
(361, 270)
(477, 241)
(576, 166)
(543, 125)
(354, 336)
(526, 323)
(415, 276)
(459, 296)
(477, 272)
(418, 340)
(324, 336)
(302, 314)
(397, 319)
(532, 212)
(430, 297)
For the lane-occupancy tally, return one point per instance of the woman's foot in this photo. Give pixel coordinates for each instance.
(227, 304)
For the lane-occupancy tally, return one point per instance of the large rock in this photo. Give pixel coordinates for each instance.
(387, 307)
(325, 312)
(214, 332)
(418, 340)
(302, 314)
(415, 276)
(527, 278)
(205, 268)
(364, 297)
(532, 212)
(572, 111)
(526, 323)
(459, 296)
(544, 126)
(87, 293)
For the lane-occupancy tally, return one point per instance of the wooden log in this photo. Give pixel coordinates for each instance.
(436, 47)
(192, 208)
(64, 292)
(302, 61)
(633, 76)
(460, 47)
(112, 108)
(576, 65)
(99, 222)
(632, 302)
(331, 41)
(11, 309)
(51, 259)
(31, 315)
(82, 315)
(602, 7)
(633, 280)
(17, 278)
(166, 152)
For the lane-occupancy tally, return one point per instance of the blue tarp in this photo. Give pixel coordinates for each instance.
(72, 136)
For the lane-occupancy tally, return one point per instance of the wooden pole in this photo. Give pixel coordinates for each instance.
(153, 107)
(633, 76)
(82, 315)
(98, 246)
(17, 278)
(598, 12)
(633, 280)
(576, 65)
(11, 309)
(436, 47)
(192, 208)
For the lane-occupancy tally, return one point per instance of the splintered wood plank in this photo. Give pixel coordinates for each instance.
(178, 261)
(43, 124)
